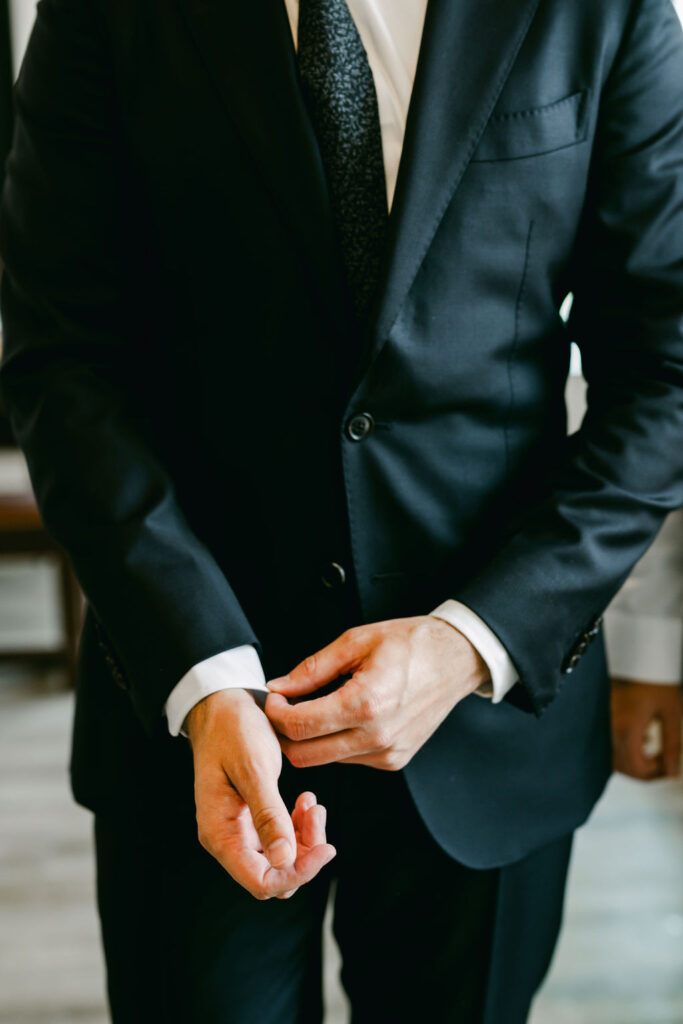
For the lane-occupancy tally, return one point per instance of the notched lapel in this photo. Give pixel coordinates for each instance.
(248, 51)
(467, 51)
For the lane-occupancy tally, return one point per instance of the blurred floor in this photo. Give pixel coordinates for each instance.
(620, 960)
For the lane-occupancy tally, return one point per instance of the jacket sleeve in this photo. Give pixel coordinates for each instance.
(545, 588)
(71, 366)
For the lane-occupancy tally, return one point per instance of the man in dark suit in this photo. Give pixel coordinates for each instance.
(287, 434)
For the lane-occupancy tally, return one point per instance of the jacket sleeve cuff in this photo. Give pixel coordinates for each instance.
(237, 667)
(645, 648)
(503, 673)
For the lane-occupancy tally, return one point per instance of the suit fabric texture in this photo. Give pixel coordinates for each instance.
(182, 365)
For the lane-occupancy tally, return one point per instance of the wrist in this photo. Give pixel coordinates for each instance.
(473, 671)
(500, 674)
(204, 713)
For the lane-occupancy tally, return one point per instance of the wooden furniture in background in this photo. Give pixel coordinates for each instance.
(22, 534)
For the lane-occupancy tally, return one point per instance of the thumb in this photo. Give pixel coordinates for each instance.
(271, 819)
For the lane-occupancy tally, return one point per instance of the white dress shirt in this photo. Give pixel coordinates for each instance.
(391, 31)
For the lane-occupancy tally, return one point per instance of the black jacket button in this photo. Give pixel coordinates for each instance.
(333, 576)
(360, 426)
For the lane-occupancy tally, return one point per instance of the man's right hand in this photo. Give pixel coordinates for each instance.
(241, 817)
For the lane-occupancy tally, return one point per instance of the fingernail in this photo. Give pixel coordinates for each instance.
(277, 683)
(280, 853)
(322, 814)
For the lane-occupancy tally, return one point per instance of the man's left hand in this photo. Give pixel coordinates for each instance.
(405, 676)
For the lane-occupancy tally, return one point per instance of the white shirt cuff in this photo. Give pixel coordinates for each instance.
(504, 675)
(237, 667)
(646, 648)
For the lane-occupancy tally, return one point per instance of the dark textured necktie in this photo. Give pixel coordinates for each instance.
(340, 94)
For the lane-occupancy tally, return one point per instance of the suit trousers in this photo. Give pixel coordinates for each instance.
(421, 936)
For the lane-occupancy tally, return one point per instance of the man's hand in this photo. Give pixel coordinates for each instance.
(241, 818)
(406, 675)
(635, 707)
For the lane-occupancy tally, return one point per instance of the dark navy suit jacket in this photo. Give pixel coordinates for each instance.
(181, 367)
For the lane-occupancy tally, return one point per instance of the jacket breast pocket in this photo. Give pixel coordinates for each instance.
(533, 132)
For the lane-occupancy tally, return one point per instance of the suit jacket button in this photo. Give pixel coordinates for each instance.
(333, 576)
(360, 426)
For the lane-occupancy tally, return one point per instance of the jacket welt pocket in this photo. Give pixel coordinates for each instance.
(533, 132)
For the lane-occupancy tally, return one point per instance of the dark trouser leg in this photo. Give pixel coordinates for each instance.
(424, 938)
(184, 943)
(528, 919)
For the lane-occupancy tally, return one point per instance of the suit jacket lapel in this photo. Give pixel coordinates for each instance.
(468, 48)
(248, 51)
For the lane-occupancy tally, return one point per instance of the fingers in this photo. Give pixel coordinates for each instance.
(284, 882)
(271, 819)
(341, 656)
(320, 717)
(251, 870)
(383, 760)
(313, 828)
(303, 803)
(236, 846)
(309, 819)
(340, 747)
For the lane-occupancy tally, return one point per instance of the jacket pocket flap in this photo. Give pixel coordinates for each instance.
(535, 131)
